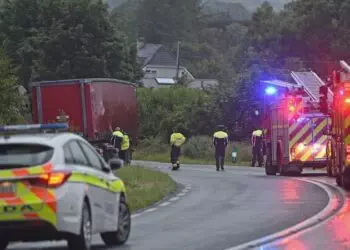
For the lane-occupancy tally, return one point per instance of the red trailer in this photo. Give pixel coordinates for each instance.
(93, 105)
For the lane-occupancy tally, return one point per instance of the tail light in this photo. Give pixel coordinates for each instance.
(51, 180)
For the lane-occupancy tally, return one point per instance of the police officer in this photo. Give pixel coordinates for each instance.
(257, 147)
(124, 148)
(220, 141)
(117, 138)
(177, 139)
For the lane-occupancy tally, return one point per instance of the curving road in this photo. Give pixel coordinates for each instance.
(219, 211)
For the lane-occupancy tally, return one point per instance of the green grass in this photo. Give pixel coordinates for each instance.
(197, 150)
(145, 186)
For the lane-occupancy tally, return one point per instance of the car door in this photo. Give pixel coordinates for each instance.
(82, 165)
(102, 171)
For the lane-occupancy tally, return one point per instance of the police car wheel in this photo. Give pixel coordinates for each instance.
(3, 244)
(124, 226)
(83, 240)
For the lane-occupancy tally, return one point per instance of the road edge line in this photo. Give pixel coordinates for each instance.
(324, 215)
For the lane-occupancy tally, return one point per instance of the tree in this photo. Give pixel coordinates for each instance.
(11, 108)
(57, 39)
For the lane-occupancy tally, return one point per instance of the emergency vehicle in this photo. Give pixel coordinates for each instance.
(55, 186)
(294, 131)
(338, 151)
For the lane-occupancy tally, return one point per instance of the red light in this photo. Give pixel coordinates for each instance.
(341, 92)
(51, 180)
(291, 108)
(347, 100)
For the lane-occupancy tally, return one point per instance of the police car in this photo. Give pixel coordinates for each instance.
(55, 186)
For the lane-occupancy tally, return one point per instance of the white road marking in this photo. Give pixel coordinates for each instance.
(174, 199)
(151, 209)
(164, 204)
(135, 215)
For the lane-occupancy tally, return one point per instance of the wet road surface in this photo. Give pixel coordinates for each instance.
(221, 210)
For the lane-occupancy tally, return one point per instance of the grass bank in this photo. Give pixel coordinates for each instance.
(197, 150)
(145, 186)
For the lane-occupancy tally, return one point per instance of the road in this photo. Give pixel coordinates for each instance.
(219, 210)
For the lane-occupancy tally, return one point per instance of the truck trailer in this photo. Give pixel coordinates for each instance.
(92, 106)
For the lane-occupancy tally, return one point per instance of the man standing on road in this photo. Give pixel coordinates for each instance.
(257, 143)
(220, 141)
(177, 139)
(117, 138)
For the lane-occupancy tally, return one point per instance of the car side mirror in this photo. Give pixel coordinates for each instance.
(115, 164)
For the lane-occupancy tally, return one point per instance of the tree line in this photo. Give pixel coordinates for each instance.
(59, 39)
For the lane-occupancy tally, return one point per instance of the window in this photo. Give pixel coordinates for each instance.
(92, 156)
(68, 156)
(78, 154)
(23, 155)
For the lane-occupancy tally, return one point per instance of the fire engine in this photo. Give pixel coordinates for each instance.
(294, 131)
(338, 152)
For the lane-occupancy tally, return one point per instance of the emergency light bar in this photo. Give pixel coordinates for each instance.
(28, 127)
(270, 90)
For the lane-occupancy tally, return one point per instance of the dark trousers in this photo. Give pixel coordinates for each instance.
(174, 154)
(220, 158)
(124, 155)
(257, 156)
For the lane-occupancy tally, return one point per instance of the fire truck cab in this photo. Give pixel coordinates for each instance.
(294, 132)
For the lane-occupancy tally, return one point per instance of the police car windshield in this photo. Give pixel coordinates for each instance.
(23, 155)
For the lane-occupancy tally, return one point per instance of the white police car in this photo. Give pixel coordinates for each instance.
(55, 186)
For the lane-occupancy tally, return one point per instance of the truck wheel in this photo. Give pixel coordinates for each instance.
(329, 171)
(339, 180)
(83, 240)
(269, 169)
(3, 244)
(124, 226)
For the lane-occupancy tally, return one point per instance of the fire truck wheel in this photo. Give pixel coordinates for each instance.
(338, 180)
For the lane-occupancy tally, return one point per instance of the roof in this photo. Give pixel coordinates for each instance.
(155, 54)
(85, 81)
(311, 83)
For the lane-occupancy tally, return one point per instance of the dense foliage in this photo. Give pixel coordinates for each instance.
(12, 105)
(63, 39)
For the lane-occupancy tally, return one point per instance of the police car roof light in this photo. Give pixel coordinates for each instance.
(27, 127)
(270, 90)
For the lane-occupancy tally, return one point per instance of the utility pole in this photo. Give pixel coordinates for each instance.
(177, 61)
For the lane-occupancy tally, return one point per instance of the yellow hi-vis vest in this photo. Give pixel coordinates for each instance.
(125, 143)
(220, 135)
(177, 139)
(118, 133)
(257, 132)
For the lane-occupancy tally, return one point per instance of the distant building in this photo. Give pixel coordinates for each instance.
(159, 66)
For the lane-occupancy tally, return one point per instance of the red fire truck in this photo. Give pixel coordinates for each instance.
(339, 136)
(294, 132)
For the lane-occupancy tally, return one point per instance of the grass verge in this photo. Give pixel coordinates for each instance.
(145, 186)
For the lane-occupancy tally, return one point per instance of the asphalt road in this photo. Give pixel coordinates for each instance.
(222, 209)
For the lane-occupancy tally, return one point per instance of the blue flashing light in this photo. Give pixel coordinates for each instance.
(270, 90)
(25, 127)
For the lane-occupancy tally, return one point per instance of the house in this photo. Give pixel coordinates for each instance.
(159, 66)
